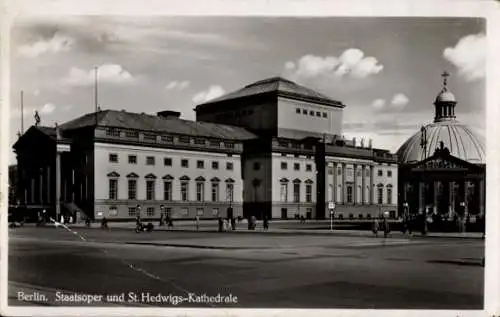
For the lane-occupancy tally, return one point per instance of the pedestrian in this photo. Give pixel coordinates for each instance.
(221, 224)
(254, 222)
(375, 226)
(233, 224)
(197, 223)
(104, 223)
(266, 223)
(62, 219)
(170, 223)
(70, 219)
(386, 227)
(162, 220)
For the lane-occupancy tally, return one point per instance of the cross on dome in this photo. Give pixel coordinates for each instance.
(445, 76)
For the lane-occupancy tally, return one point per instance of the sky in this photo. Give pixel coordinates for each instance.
(387, 71)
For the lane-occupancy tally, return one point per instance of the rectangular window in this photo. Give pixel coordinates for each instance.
(150, 137)
(296, 146)
(229, 166)
(167, 191)
(132, 134)
(199, 212)
(229, 145)
(132, 159)
(389, 196)
(304, 111)
(311, 113)
(325, 115)
(113, 158)
(184, 212)
(200, 164)
(150, 211)
(184, 191)
(284, 165)
(318, 114)
(132, 189)
(380, 194)
(150, 160)
(308, 193)
(184, 139)
(112, 132)
(389, 173)
(215, 191)
(199, 141)
(284, 192)
(167, 138)
(349, 194)
(296, 166)
(215, 165)
(167, 161)
(380, 173)
(229, 192)
(113, 189)
(113, 211)
(297, 110)
(150, 190)
(349, 171)
(132, 212)
(215, 143)
(296, 192)
(308, 167)
(185, 163)
(200, 191)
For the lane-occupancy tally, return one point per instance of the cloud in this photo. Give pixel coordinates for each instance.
(378, 104)
(209, 94)
(36, 92)
(399, 100)
(107, 73)
(58, 43)
(352, 62)
(47, 108)
(177, 85)
(469, 56)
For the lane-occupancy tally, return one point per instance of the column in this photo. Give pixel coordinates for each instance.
(372, 171)
(466, 190)
(421, 197)
(363, 185)
(58, 185)
(451, 201)
(344, 190)
(335, 182)
(435, 187)
(355, 191)
(481, 197)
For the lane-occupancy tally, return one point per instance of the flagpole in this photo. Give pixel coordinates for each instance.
(22, 112)
(96, 94)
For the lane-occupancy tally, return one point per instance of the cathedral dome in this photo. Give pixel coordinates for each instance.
(460, 140)
(457, 137)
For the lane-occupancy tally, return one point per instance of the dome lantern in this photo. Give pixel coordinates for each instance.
(445, 102)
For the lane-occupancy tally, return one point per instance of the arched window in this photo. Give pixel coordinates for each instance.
(389, 194)
(113, 185)
(380, 194)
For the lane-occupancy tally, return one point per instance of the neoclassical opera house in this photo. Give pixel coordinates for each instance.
(442, 166)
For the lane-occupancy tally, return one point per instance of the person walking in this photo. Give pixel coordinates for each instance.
(375, 227)
(386, 227)
(197, 223)
(162, 220)
(221, 224)
(266, 223)
(233, 224)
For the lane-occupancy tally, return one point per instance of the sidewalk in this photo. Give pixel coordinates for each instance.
(211, 227)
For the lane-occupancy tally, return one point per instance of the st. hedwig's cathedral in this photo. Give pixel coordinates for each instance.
(442, 167)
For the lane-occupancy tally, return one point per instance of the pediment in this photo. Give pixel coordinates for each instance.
(113, 174)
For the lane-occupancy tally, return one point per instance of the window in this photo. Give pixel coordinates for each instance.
(389, 194)
(284, 165)
(184, 163)
(167, 161)
(150, 137)
(215, 143)
(132, 212)
(150, 160)
(296, 166)
(311, 113)
(184, 212)
(150, 190)
(296, 192)
(308, 167)
(184, 139)
(349, 194)
(113, 189)
(113, 211)
(150, 211)
(200, 191)
(297, 110)
(296, 146)
(308, 193)
(284, 192)
(380, 173)
(199, 211)
(215, 191)
(215, 212)
(349, 172)
(229, 145)
(318, 114)
(339, 171)
(229, 192)
(199, 141)
(132, 189)
(304, 111)
(283, 154)
(113, 158)
(256, 166)
(367, 173)
(167, 138)
(283, 144)
(389, 173)
(167, 191)
(380, 194)
(200, 164)
(132, 134)
(229, 166)
(215, 165)
(358, 172)
(325, 115)
(112, 132)
(184, 191)
(132, 159)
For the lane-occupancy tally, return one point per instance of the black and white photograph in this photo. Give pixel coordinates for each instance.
(247, 161)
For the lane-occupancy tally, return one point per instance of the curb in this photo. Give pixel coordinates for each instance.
(192, 246)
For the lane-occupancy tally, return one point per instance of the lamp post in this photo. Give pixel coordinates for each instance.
(423, 145)
(331, 207)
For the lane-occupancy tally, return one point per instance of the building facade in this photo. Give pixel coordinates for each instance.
(272, 148)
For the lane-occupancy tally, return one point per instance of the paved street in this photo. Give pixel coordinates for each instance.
(272, 271)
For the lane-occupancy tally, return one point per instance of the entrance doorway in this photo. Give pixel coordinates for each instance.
(284, 213)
